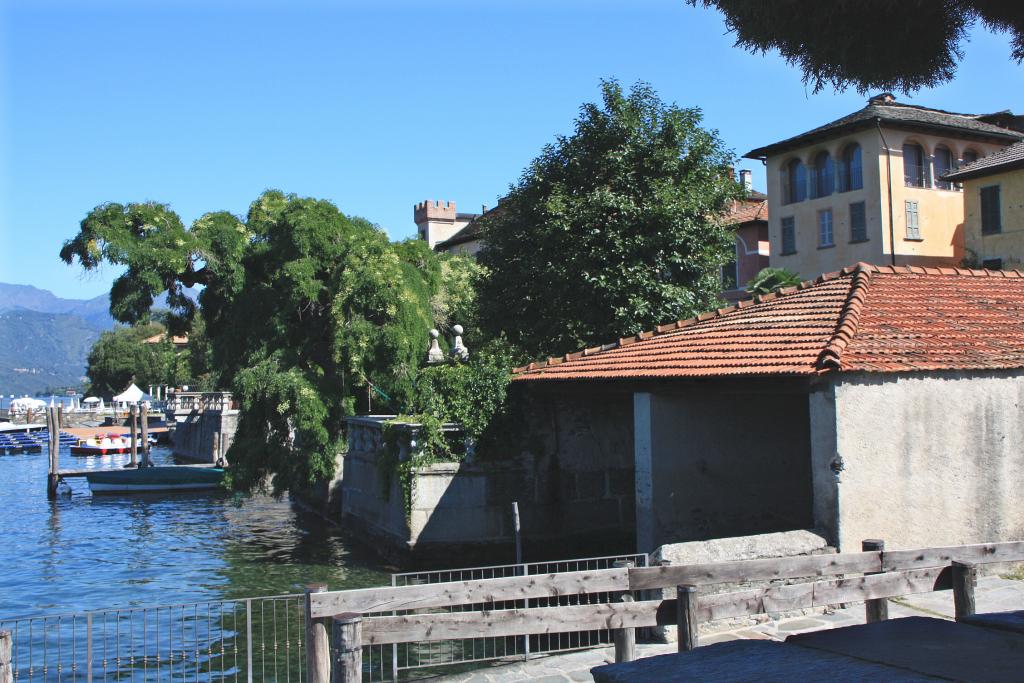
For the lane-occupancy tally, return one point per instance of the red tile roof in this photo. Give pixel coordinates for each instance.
(863, 318)
(747, 211)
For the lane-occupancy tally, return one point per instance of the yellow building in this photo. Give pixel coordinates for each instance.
(869, 186)
(994, 209)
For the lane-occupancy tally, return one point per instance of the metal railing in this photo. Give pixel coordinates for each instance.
(251, 639)
(390, 662)
(263, 638)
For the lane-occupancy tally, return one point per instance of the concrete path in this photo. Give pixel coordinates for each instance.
(993, 594)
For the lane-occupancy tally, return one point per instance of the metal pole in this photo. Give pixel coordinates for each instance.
(88, 647)
(248, 638)
(517, 530)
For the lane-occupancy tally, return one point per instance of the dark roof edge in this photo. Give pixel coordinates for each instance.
(807, 138)
(994, 169)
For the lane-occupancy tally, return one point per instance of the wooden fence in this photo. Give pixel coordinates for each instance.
(871, 576)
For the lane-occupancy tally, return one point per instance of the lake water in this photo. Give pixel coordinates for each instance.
(87, 552)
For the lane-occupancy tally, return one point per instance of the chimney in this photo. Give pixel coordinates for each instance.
(745, 178)
(882, 98)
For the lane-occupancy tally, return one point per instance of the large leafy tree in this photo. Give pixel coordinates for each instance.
(305, 311)
(124, 355)
(899, 45)
(611, 230)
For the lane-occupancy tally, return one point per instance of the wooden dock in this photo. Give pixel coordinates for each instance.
(70, 474)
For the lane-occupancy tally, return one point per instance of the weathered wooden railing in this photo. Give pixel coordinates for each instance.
(865, 576)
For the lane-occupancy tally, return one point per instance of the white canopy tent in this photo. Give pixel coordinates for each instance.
(132, 395)
(21, 406)
(92, 402)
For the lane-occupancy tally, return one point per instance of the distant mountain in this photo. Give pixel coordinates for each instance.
(45, 340)
(40, 350)
(29, 298)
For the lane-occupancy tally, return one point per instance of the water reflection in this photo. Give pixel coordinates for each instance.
(88, 552)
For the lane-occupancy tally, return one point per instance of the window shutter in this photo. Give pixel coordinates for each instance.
(858, 222)
(991, 218)
(788, 236)
(913, 227)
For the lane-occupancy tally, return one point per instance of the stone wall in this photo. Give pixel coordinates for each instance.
(571, 476)
(761, 546)
(928, 459)
(193, 435)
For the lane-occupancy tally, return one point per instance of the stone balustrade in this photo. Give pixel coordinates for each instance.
(366, 434)
(199, 401)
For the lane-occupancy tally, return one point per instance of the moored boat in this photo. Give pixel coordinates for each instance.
(171, 478)
(103, 444)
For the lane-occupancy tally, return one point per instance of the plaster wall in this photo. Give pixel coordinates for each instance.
(810, 259)
(929, 459)
(721, 464)
(1007, 245)
(940, 211)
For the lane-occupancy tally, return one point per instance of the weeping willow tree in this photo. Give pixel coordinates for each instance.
(306, 311)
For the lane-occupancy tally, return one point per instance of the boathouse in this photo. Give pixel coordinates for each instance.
(875, 402)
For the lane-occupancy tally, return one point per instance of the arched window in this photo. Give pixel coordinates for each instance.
(943, 163)
(851, 173)
(970, 156)
(795, 181)
(824, 175)
(913, 165)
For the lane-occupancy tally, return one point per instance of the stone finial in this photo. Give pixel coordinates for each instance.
(459, 349)
(434, 353)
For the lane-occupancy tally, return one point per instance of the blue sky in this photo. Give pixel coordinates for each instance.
(373, 105)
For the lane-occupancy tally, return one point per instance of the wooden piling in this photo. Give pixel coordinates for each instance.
(52, 478)
(6, 650)
(60, 417)
(624, 638)
(347, 637)
(318, 646)
(132, 414)
(144, 425)
(965, 578)
(686, 616)
(878, 609)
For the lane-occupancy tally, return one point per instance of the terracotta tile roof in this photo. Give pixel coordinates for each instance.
(748, 210)
(1005, 159)
(864, 318)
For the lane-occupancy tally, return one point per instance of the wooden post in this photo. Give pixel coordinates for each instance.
(625, 638)
(60, 417)
(965, 578)
(318, 645)
(144, 425)
(6, 648)
(132, 413)
(347, 639)
(878, 609)
(52, 478)
(686, 616)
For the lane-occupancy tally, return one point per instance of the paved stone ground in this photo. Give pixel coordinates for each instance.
(993, 594)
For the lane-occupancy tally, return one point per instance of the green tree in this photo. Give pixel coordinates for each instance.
(303, 310)
(894, 45)
(123, 356)
(611, 230)
(770, 280)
